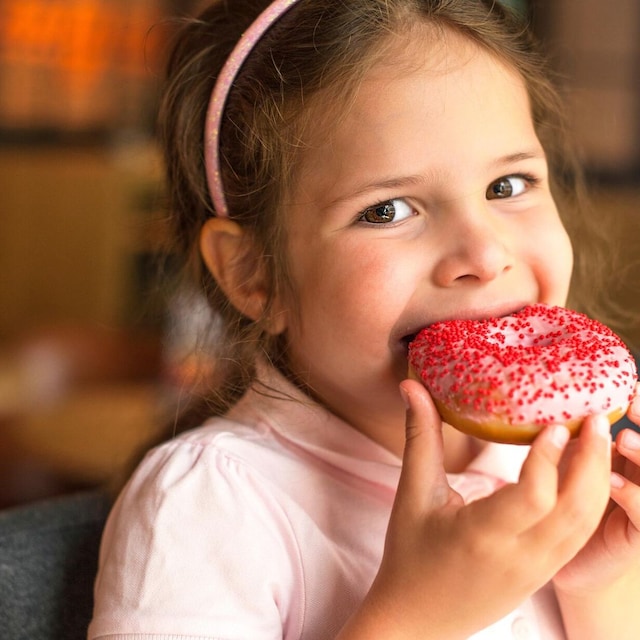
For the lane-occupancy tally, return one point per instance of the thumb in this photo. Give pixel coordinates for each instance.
(423, 481)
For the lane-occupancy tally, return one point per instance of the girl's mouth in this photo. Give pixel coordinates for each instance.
(408, 339)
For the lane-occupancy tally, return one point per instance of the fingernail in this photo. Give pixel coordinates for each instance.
(560, 435)
(405, 398)
(630, 440)
(617, 481)
(602, 427)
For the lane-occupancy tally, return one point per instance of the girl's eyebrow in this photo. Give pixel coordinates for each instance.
(385, 183)
(511, 158)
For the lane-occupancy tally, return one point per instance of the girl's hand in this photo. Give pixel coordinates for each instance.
(614, 551)
(451, 569)
(599, 589)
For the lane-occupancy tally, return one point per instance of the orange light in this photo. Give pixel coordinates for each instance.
(75, 36)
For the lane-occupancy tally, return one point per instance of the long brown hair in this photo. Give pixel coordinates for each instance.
(319, 45)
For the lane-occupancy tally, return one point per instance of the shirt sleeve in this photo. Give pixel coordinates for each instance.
(197, 545)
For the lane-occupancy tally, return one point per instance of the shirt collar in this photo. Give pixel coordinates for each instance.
(276, 405)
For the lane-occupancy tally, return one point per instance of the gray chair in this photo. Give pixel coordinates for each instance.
(48, 562)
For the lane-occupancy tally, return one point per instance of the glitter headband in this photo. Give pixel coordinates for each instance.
(220, 93)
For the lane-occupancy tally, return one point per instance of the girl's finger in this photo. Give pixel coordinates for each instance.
(518, 507)
(584, 488)
(591, 460)
(634, 408)
(628, 444)
(626, 473)
(626, 494)
(423, 483)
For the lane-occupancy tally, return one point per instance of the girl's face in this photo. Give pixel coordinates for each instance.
(428, 200)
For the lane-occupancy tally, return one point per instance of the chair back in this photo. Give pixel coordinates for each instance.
(48, 562)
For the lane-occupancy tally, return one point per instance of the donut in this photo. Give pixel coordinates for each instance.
(504, 379)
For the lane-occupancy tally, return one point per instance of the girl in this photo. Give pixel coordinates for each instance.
(371, 166)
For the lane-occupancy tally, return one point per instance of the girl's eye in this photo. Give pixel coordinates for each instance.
(508, 187)
(385, 212)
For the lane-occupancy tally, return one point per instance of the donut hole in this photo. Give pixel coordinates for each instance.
(527, 339)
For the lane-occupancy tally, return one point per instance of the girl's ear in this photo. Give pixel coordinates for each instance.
(232, 259)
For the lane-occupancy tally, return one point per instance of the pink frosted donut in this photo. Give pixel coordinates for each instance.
(504, 379)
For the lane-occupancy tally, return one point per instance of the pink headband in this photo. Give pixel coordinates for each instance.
(220, 93)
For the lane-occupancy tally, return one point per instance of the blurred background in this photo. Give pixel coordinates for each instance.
(94, 347)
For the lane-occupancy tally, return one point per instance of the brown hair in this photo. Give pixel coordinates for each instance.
(319, 45)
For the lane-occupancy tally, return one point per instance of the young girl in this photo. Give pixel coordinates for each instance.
(370, 167)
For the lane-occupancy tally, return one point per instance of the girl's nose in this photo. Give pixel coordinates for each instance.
(477, 249)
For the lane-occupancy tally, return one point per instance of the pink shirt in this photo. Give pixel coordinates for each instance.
(268, 524)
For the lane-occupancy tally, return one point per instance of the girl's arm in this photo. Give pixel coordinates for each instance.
(449, 569)
(610, 613)
(599, 590)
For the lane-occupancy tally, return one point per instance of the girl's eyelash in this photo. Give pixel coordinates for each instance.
(529, 177)
(532, 179)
